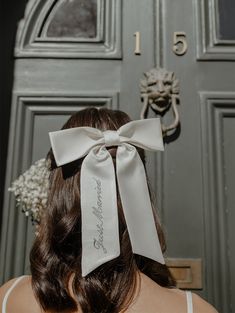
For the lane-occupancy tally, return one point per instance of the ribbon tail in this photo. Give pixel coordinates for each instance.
(100, 233)
(136, 204)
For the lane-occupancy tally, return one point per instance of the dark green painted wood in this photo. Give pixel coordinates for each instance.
(193, 178)
(193, 182)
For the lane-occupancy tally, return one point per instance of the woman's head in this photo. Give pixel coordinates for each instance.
(56, 253)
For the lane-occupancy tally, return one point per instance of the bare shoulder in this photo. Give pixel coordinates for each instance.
(5, 287)
(21, 298)
(202, 306)
(199, 304)
(154, 298)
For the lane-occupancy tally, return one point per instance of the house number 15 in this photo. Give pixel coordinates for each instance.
(180, 45)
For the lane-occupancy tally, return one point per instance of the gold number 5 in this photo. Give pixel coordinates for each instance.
(180, 44)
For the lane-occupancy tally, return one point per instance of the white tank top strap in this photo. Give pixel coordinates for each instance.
(4, 303)
(189, 302)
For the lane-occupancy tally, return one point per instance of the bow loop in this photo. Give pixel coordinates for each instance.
(71, 144)
(146, 134)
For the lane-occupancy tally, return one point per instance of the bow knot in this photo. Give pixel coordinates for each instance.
(111, 138)
(100, 232)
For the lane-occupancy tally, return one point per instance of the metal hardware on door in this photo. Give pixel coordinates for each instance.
(180, 45)
(159, 91)
(137, 43)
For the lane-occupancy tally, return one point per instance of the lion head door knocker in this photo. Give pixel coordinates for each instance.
(160, 91)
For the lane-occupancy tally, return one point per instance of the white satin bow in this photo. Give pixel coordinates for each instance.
(100, 233)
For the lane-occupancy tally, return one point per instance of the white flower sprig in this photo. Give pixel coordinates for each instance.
(31, 190)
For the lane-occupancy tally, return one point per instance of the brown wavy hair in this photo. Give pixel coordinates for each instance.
(56, 252)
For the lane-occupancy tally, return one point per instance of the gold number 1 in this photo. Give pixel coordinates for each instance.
(137, 43)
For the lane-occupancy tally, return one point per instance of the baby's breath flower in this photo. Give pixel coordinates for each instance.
(31, 190)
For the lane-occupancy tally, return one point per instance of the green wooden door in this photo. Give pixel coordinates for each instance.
(74, 54)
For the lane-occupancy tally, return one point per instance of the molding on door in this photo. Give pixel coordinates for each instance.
(32, 43)
(158, 44)
(17, 232)
(215, 108)
(209, 46)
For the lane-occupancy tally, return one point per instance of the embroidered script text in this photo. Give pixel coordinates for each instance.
(98, 212)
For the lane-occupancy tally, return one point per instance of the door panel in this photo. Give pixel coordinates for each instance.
(226, 11)
(36, 37)
(215, 35)
(218, 112)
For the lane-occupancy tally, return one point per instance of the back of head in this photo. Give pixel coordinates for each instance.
(56, 252)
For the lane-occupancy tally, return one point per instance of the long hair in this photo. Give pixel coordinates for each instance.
(56, 252)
